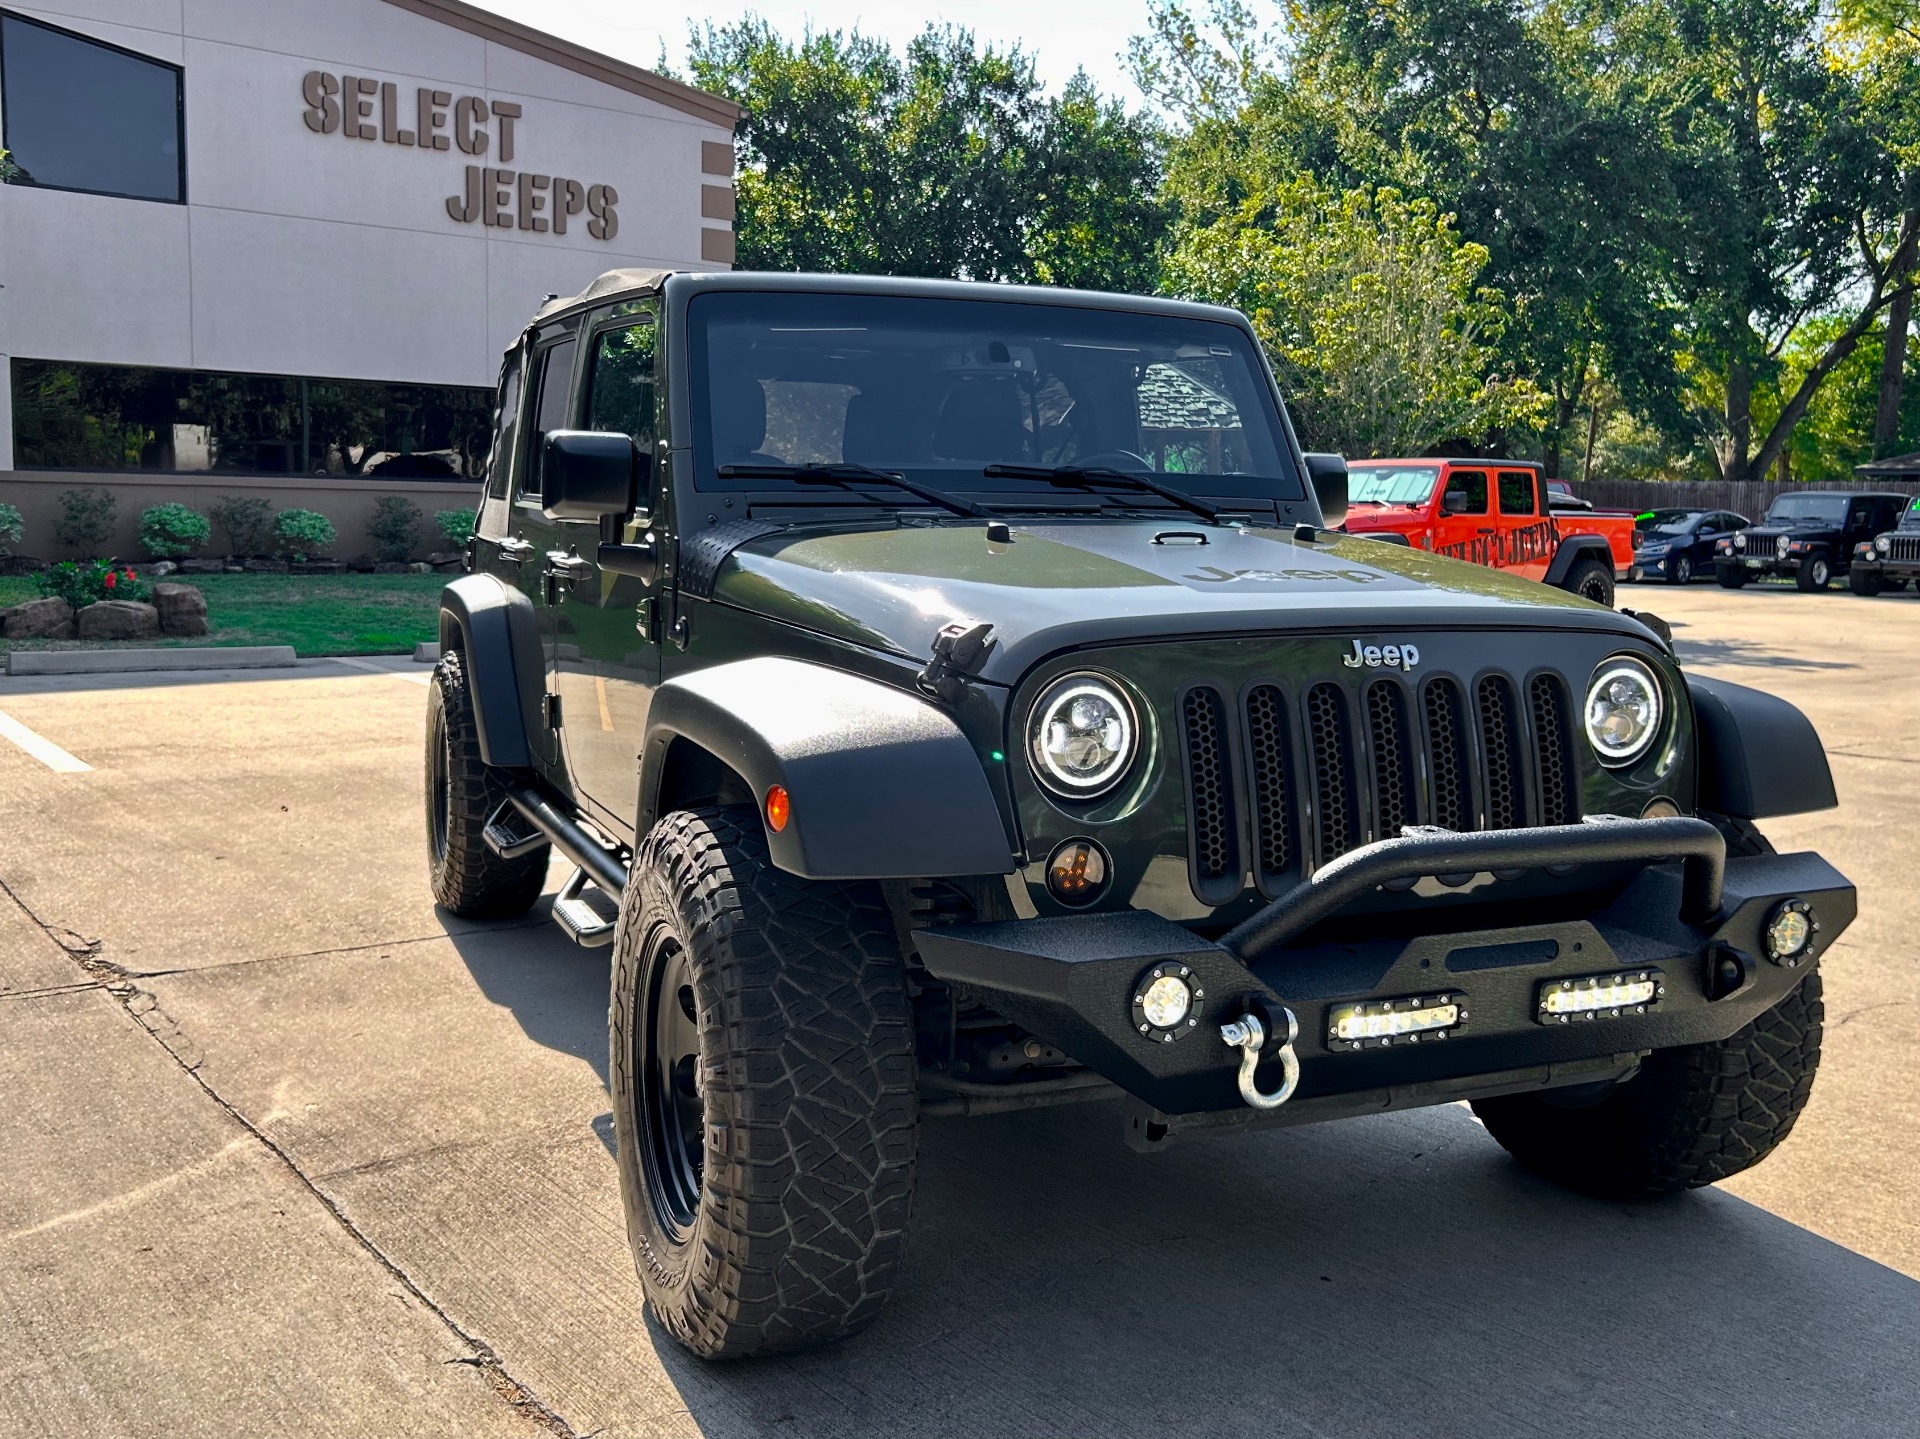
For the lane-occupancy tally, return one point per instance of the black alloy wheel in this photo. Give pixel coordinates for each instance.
(672, 1109)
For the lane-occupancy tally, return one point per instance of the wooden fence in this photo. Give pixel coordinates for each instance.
(1746, 497)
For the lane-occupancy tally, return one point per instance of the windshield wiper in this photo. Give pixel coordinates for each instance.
(845, 473)
(1084, 476)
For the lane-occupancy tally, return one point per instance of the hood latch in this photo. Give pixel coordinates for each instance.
(957, 648)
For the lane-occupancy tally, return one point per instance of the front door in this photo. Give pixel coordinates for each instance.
(1463, 528)
(536, 538)
(608, 623)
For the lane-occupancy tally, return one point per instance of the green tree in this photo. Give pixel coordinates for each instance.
(949, 162)
(1370, 307)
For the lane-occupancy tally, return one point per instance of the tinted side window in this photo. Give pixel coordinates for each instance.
(80, 115)
(1473, 485)
(553, 374)
(1857, 514)
(506, 424)
(620, 393)
(1516, 492)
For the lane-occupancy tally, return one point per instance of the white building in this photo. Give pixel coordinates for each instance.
(277, 246)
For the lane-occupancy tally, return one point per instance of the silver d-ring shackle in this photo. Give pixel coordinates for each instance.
(1249, 1036)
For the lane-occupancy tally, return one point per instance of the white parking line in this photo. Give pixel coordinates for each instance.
(41, 748)
(374, 669)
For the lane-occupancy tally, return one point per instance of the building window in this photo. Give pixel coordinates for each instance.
(79, 115)
(114, 417)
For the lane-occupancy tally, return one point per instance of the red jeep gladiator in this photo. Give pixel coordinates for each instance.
(1492, 512)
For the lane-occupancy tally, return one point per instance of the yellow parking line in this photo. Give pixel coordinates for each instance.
(606, 715)
(41, 748)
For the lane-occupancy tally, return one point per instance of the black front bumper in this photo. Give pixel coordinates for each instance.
(1674, 908)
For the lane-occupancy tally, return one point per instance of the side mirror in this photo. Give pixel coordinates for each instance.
(1329, 476)
(588, 474)
(1454, 502)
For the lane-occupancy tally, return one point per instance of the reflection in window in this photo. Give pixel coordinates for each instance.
(1516, 492)
(114, 417)
(79, 115)
(621, 397)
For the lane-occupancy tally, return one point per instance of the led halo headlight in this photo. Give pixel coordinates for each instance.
(1623, 711)
(1081, 735)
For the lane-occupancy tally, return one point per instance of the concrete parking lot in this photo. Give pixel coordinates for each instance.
(289, 1152)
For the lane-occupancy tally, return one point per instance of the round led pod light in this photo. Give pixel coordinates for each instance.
(1081, 736)
(1623, 710)
(1790, 931)
(1166, 1002)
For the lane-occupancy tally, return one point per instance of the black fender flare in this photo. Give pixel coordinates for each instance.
(1759, 756)
(496, 630)
(881, 784)
(1571, 549)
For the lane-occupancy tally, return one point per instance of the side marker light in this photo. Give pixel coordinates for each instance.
(779, 808)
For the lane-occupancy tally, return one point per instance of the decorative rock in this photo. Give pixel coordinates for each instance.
(158, 570)
(48, 619)
(118, 620)
(419, 568)
(267, 567)
(21, 564)
(446, 557)
(183, 609)
(203, 567)
(317, 567)
(393, 567)
(362, 564)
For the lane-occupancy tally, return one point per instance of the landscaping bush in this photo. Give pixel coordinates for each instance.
(170, 532)
(395, 528)
(13, 529)
(86, 519)
(455, 526)
(303, 532)
(84, 582)
(247, 523)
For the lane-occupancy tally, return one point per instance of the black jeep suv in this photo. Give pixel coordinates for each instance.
(953, 699)
(1889, 560)
(1810, 536)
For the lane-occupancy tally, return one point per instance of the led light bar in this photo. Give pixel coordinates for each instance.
(1379, 1022)
(1600, 996)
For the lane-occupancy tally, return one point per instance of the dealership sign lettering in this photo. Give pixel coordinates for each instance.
(365, 109)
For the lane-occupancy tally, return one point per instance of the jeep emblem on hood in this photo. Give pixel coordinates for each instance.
(1374, 657)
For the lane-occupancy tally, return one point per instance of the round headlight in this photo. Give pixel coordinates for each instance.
(1623, 712)
(1780, 547)
(1740, 541)
(1081, 736)
(1883, 543)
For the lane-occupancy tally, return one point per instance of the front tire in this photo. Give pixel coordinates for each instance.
(1731, 577)
(765, 1098)
(1680, 570)
(1692, 1116)
(463, 791)
(1815, 573)
(1865, 582)
(1591, 580)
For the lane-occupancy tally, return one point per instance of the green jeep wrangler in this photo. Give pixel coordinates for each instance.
(953, 699)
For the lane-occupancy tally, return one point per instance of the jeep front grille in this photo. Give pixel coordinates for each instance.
(1906, 548)
(1322, 770)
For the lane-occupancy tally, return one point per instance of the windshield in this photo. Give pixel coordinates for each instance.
(1910, 516)
(1669, 522)
(1393, 484)
(939, 389)
(1790, 509)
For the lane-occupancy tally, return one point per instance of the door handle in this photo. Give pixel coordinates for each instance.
(563, 566)
(515, 549)
(1486, 529)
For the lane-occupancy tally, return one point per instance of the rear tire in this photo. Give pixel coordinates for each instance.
(1731, 577)
(1692, 1116)
(1865, 582)
(1814, 573)
(1591, 580)
(463, 791)
(765, 1097)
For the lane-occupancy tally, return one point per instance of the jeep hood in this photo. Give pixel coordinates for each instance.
(1062, 584)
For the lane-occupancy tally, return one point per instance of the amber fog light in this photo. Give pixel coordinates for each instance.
(1077, 872)
(1790, 932)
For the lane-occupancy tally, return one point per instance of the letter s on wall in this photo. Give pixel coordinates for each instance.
(323, 111)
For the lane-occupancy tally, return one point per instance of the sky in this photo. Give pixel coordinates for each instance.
(1061, 38)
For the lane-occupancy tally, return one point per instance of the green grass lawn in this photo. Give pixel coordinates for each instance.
(316, 614)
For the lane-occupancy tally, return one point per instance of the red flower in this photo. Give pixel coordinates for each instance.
(111, 577)
(130, 575)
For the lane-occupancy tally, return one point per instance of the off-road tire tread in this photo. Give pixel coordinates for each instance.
(1575, 582)
(1692, 1116)
(811, 1092)
(472, 881)
(1864, 582)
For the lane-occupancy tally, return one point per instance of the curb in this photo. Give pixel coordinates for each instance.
(427, 652)
(107, 662)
